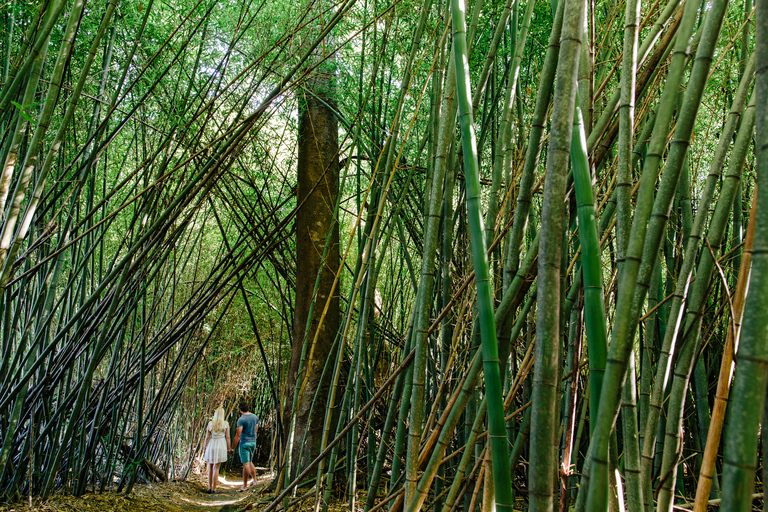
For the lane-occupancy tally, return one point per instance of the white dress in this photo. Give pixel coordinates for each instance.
(216, 451)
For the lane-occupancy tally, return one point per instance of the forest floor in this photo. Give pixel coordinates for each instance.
(177, 496)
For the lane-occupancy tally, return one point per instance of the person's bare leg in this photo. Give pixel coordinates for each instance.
(245, 476)
(216, 475)
(210, 476)
(252, 471)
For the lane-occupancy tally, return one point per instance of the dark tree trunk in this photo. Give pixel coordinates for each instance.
(318, 184)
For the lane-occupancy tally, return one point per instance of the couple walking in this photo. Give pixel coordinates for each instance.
(217, 445)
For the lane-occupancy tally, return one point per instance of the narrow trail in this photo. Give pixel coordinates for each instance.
(177, 496)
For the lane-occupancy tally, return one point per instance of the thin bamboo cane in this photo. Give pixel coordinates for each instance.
(502, 160)
(403, 382)
(626, 125)
(278, 499)
(391, 157)
(447, 352)
(24, 110)
(421, 315)
(465, 458)
(570, 385)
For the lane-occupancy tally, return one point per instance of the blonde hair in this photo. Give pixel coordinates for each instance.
(217, 423)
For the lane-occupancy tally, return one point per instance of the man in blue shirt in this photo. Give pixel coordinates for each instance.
(247, 426)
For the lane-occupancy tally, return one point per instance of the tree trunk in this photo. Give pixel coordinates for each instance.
(314, 328)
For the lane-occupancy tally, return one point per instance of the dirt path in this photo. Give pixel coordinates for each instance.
(186, 496)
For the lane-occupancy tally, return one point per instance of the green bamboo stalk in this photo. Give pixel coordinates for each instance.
(594, 316)
(707, 472)
(402, 428)
(570, 387)
(311, 467)
(447, 427)
(631, 446)
(648, 352)
(52, 469)
(379, 465)
(446, 257)
(585, 80)
(446, 433)
(493, 386)
(461, 470)
(424, 298)
(544, 439)
(386, 431)
(426, 284)
(362, 269)
(11, 16)
(364, 322)
(11, 430)
(626, 125)
(602, 123)
(594, 310)
(371, 280)
(673, 166)
(490, 54)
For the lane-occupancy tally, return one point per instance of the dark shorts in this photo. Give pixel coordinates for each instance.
(246, 451)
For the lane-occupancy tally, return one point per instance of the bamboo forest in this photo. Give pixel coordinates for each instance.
(383, 255)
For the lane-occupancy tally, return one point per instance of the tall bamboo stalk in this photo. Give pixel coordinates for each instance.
(497, 428)
(544, 440)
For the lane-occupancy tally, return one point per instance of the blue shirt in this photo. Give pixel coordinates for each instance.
(249, 422)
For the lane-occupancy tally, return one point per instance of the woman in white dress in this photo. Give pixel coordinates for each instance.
(216, 447)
